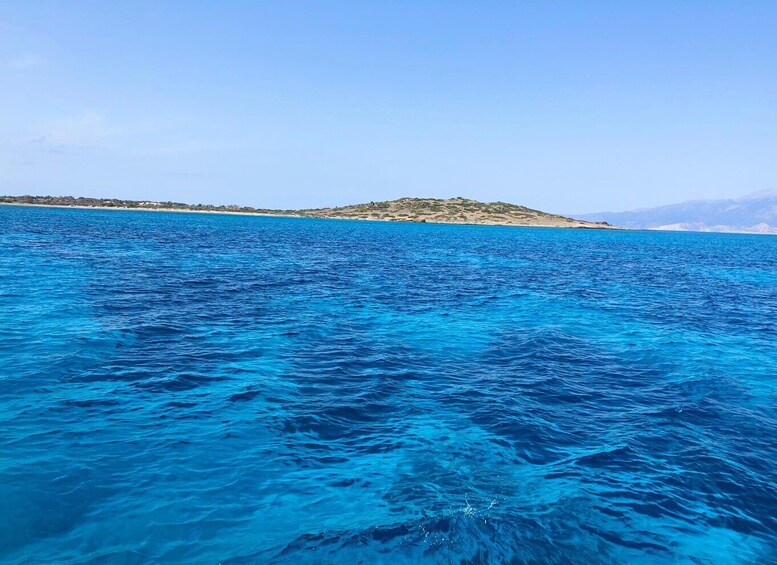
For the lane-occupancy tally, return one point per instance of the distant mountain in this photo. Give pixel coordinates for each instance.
(432, 210)
(753, 213)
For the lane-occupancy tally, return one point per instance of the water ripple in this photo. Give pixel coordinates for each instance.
(211, 388)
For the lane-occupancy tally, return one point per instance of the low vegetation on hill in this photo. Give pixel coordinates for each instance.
(450, 211)
(82, 202)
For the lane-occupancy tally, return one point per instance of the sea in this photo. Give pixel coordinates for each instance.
(213, 388)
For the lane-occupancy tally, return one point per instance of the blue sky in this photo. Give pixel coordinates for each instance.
(562, 106)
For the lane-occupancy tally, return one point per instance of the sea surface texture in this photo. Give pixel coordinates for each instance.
(202, 388)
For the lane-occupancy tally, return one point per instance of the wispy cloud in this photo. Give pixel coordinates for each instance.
(153, 139)
(26, 61)
(177, 147)
(189, 174)
(83, 130)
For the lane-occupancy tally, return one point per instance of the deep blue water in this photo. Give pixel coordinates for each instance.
(214, 388)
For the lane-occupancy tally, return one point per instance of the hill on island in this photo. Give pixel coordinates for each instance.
(451, 211)
(431, 210)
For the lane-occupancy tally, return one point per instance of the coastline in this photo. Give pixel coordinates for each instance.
(126, 209)
(310, 217)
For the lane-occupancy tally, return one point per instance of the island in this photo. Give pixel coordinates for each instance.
(423, 210)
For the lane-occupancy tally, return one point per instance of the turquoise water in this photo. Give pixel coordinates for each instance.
(213, 388)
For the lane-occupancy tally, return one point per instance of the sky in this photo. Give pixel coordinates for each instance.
(562, 106)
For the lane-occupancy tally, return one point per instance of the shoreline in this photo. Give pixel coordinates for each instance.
(302, 216)
(305, 217)
(125, 209)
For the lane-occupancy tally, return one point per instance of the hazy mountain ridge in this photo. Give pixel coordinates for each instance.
(752, 213)
(432, 210)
